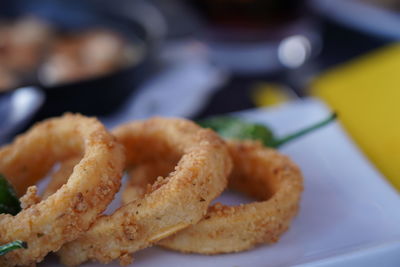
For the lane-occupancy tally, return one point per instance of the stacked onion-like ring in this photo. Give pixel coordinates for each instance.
(260, 172)
(176, 169)
(46, 225)
(172, 203)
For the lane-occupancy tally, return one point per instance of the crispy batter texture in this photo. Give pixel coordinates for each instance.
(65, 215)
(143, 176)
(172, 203)
(60, 176)
(31, 197)
(260, 172)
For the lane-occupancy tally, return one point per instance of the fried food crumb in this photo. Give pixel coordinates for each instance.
(125, 259)
(30, 198)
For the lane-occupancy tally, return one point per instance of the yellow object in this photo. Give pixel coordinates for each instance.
(269, 94)
(366, 95)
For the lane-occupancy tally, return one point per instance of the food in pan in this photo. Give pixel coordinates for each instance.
(22, 44)
(33, 50)
(87, 54)
(46, 225)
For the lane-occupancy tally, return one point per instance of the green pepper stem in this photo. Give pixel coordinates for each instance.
(290, 137)
(11, 246)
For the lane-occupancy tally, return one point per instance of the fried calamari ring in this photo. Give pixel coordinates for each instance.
(63, 216)
(60, 176)
(260, 172)
(173, 203)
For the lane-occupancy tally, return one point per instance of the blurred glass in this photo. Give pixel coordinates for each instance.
(249, 14)
(257, 36)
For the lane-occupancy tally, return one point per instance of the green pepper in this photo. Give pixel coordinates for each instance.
(4, 249)
(235, 128)
(9, 202)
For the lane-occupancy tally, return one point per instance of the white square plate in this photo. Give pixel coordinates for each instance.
(349, 214)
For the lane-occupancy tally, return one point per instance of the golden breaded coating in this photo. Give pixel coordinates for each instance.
(65, 215)
(171, 204)
(60, 176)
(260, 172)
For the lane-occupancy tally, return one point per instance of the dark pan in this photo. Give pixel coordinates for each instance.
(96, 96)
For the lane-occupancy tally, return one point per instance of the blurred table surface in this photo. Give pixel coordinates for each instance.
(339, 46)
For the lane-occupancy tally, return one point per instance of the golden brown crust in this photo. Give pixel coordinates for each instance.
(171, 204)
(60, 176)
(260, 172)
(63, 216)
(31, 197)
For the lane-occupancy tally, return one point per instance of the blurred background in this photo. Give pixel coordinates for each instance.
(125, 59)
